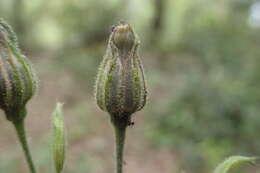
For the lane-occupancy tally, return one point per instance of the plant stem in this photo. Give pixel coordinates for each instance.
(120, 141)
(120, 125)
(20, 131)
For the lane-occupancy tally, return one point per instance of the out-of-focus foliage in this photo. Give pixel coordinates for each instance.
(201, 58)
(232, 162)
(214, 106)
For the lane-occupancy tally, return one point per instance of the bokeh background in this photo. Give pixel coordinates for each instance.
(202, 63)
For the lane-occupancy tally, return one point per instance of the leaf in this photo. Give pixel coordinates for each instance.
(233, 161)
(58, 138)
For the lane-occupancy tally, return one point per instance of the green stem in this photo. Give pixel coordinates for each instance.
(120, 125)
(19, 127)
(120, 141)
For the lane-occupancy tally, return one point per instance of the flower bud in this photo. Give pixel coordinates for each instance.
(59, 149)
(120, 85)
(17, 79)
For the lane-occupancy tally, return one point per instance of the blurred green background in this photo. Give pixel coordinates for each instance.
(202, 63)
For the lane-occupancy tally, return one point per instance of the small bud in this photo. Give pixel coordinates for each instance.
(123, 37)
(59, 138)
(17, 78)
(120, 86)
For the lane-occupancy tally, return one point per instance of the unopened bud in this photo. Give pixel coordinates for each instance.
(59, 138)
(17, 78)
(120, 85)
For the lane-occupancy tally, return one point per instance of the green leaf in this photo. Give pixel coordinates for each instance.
(58, 138)
(233, 161)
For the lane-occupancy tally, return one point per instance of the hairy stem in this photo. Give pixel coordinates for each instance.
(120, 125)
(120, 141)
(20, 131)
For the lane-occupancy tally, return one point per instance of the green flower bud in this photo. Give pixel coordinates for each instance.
(17, 78)
(59, 149)
(120, 85)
